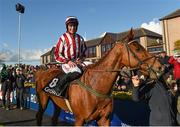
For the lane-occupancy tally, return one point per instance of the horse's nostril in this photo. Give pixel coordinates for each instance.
(161, 68)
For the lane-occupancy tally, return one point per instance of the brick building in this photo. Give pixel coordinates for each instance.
(151, 41)
(171, 30)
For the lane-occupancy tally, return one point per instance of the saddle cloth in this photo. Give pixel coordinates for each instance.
(49, 88)
(56, 88)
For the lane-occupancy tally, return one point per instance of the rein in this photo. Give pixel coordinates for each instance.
(93, 91)
(114, 70)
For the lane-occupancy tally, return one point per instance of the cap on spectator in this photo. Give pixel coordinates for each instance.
(177, 54)
(18, 69)
(162, 51)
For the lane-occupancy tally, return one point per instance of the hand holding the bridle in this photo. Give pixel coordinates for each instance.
(78, 61)
(71, 64)
(135, 81)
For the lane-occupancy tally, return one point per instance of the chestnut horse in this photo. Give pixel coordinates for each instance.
(94, 102)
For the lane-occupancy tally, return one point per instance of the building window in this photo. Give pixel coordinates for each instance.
(91, 52)
(103, 48)
(42, 59)
(106, 47)
(46, 59)
(156, 49)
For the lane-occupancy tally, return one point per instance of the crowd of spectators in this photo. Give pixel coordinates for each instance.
(13, 79)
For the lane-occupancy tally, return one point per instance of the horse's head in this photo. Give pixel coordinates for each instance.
(135, 56)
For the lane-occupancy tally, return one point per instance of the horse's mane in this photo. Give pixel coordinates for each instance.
(123, 40)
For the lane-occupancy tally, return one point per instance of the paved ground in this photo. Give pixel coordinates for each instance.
(26, 117)
(129, 112)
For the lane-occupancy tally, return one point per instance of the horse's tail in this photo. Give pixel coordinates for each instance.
(38, 78)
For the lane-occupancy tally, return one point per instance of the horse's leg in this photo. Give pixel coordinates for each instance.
(105, 115)
(79, 121)
(57, 111)
(103, 121)
(43, 101)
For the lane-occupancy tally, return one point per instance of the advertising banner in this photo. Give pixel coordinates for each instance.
(11, 95)
(67, 116)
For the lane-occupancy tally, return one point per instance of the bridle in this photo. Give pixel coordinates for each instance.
(140, 62)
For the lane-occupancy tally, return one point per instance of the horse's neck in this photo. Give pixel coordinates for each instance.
(103, 80)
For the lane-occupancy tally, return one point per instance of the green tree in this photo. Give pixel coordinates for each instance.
(177, 45)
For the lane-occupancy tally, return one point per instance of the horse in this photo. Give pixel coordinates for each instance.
(90, 96)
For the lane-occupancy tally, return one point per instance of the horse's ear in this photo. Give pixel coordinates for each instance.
(130, 34)
(129, 37)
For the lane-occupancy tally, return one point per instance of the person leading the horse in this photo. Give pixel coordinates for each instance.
(69, 51)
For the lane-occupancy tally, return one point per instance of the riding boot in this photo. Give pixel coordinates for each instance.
(64, 83)
(70, 77)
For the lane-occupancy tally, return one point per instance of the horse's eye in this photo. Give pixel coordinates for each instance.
(138, 49)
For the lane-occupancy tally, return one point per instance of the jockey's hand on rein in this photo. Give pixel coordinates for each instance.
(78, 61)
(71, 64)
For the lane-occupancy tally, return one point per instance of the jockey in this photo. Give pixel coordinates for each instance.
(70, 50)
